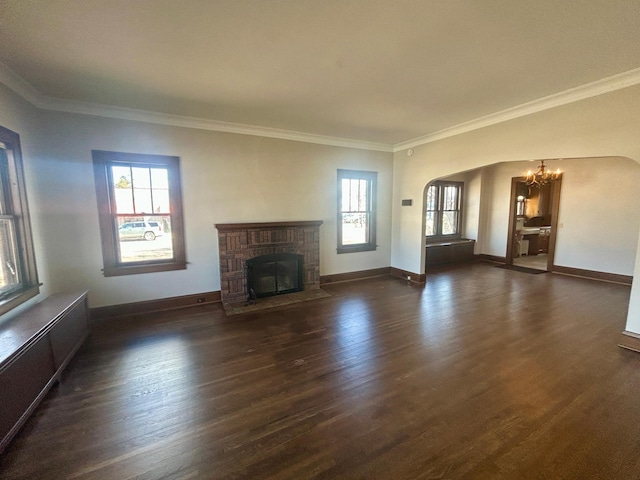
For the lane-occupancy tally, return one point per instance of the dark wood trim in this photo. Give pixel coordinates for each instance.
(630, 341)
(18, 207)
(555, 214)
(602, 276)
(447, 241)
(512, 218)
(575, 272)
(350, 276)
(376, 272)
(372, 183)
(161, 304)
(18, 298)
(243, 226)
(107, 212)
(136, 269)
(491, 258)
(438, 236)
(407, 275)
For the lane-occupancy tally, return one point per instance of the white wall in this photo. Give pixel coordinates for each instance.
(226, 178)
(603, 126)
(597, 212)
(633, 318)
(472, 198)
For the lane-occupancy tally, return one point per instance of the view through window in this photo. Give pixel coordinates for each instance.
(10, 266)
(140, 212)
(18, 276)
(143, 215)
(356, 211)
(443, 209)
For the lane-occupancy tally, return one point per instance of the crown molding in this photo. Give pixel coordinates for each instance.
(123, 113)
(16, 83)
(33, 96)
(582, 92)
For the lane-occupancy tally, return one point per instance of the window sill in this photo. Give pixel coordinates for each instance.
(444, 238)
(14, 299)
(137, 269)
(356, 248)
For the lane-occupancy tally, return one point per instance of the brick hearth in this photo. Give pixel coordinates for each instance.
(238, 242)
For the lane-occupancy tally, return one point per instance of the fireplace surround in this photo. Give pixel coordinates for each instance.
(275, 274)
(240, 242)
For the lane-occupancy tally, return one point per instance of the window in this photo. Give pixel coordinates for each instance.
(18, 275)
(356, 211)
(140, 212)
(444, 210)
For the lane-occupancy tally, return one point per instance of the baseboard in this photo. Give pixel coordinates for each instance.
(407, 275)
(350, 276)
(630, 341)
(491, 258)
(100, 313)
(162, 304)
(594, 275)
(575, 272)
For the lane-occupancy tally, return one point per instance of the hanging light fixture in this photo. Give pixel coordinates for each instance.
(542, 177)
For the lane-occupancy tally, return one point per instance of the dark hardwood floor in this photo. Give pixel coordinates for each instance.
(483, 373)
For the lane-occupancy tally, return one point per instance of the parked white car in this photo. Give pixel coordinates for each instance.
(140, 230)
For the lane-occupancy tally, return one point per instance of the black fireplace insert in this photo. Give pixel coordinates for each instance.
(274, 274)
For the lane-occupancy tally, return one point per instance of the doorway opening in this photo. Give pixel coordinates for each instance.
(533, 224)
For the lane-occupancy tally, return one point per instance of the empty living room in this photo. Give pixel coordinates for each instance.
(358, 239)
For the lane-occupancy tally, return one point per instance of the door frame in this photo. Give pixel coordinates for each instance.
(555, 211)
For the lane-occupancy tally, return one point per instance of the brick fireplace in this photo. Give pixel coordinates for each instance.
(239, 242)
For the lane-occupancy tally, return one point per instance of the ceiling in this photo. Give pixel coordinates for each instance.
(387, 72)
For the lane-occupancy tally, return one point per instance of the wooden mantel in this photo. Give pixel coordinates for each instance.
(236, 226)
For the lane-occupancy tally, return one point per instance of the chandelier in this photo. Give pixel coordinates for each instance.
(542, 177)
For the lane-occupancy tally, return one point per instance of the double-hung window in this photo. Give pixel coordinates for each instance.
(140, 212)
(444, 210)
(18, 275)
(356, 211)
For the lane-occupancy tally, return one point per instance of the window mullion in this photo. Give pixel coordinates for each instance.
(133, 191)
(439, 211)
(153, 208)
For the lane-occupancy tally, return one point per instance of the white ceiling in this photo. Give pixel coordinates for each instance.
(381, 71)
